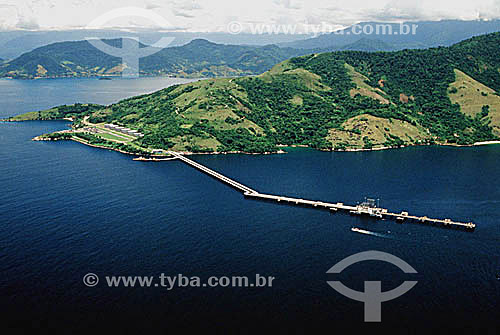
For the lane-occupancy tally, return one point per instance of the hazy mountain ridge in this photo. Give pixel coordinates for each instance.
(15, 43)
(60, 62)
(428, 34)
(365, 44)
(199, 58)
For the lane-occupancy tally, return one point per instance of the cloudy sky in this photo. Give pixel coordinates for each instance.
(215, 15)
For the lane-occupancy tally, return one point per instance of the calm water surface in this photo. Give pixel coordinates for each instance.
(67, 210)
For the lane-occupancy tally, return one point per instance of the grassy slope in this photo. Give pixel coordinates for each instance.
(190, 113)
(367, 131)
(362, 88)
(471, 95)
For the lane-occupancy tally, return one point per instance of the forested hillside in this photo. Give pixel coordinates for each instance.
(338, 100)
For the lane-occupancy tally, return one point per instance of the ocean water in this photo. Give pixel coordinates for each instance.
(67, 210)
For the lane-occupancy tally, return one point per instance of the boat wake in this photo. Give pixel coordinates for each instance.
(372, 233)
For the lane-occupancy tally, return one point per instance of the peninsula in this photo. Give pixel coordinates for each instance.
(331, 101)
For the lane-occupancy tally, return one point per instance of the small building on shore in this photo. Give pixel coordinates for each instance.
(123, 130)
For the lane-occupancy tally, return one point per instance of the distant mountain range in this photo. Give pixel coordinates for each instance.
(363, 44)
(15, 43)
(199, 58)
(428, 34)
(202, 58)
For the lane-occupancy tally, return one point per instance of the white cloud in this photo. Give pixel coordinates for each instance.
(151, 5)
(8, 16)
(182, 14)
(189, 5)
(289, 4)
(213, 15)
(27, 23)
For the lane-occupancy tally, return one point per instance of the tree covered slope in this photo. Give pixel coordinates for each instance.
(338, 100)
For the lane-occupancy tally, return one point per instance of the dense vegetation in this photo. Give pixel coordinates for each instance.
(336, 100)
(479, 58)
(73, 111)
(426, 75)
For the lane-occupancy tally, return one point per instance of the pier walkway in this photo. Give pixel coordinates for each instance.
(362, 210)
(212, 173)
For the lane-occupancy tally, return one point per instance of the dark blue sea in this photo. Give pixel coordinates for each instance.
(67, 210)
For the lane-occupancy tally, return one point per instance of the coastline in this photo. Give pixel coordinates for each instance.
(27, 120)
(41, 139)
(140, 157)
(186, 153)
(280, 151)
(418, 145)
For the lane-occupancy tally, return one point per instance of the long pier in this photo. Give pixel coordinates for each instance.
(362, 210)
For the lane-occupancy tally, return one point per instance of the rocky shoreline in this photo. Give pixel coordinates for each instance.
(140, 157)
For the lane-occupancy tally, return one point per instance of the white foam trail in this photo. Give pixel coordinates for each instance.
(367, 232)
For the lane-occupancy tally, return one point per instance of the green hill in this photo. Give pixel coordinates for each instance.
(199, 58)
(337, 100)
